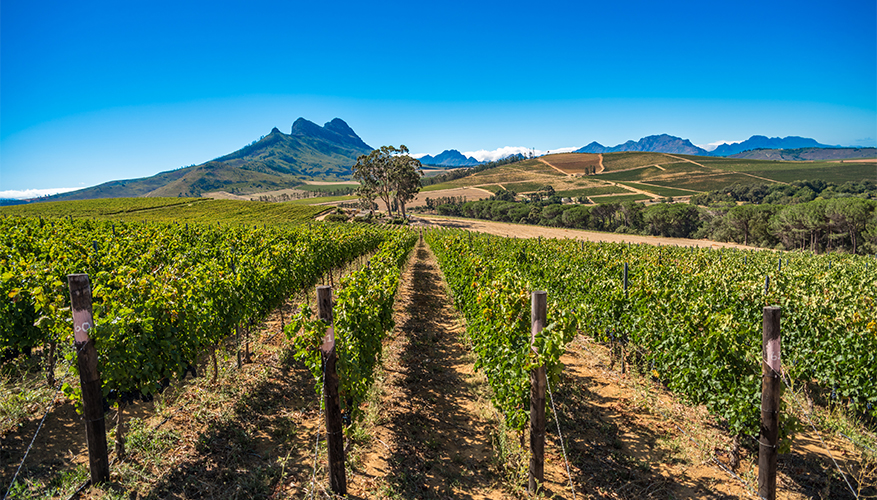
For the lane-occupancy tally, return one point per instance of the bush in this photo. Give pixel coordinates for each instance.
(336, 217)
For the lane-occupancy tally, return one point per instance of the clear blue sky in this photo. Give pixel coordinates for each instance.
(97, 91)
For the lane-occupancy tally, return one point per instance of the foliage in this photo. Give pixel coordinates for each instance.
(493, 294)
(161, 293)
(362, 317)
(388, 173)
(691, 316)
(172, 210)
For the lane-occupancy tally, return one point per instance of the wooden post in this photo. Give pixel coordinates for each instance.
(770, 404)
(335, 437)
(625, 280)
(89, 379)
(538, 309)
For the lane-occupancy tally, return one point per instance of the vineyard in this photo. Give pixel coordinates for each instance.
(171, 299)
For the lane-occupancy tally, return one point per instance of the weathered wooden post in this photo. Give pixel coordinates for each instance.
(334, 434)
(538, 314)
(89, 379)
(770, 404)
(625, 280)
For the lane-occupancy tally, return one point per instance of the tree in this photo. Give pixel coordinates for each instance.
(849, 215)
(390, 174)
(405, 177)
(373, 173)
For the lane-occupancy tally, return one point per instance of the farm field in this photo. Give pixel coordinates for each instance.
(680, 175)
(170, 210)
(574, 164)
(439, 408)
(659, 190)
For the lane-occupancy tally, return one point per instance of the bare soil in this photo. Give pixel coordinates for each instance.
(508, 229)
(431, 439)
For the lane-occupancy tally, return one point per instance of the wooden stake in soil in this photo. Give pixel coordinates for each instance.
(89, 379)
(335, 437)
(770, 404)
(538, 314)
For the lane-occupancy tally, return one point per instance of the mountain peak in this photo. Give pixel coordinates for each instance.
(663, 143)
(339, 126)
(450, 158)
(763, 142)
(305, 127)
(334, 131)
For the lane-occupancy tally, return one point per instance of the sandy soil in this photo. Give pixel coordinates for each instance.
(526, 231)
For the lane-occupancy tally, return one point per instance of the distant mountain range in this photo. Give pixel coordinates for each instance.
(655, 143)
(449, 158)
(762, 142)
(675, 145)
(276, 161)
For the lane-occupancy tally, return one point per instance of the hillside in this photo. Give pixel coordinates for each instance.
(641, 175)
(276, 161)
(808, 154)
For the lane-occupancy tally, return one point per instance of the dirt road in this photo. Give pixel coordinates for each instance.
(431, 439)
(526, 231)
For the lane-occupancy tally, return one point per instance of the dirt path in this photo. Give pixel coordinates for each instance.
(526, 231)
(555, 168)
(718, 170)
(601, 168)
(431, 439)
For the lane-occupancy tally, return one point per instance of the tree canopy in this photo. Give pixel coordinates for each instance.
(390, 174)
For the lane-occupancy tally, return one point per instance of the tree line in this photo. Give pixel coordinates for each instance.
(847, 223)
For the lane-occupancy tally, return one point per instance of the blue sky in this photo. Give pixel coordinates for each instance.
(97, 91)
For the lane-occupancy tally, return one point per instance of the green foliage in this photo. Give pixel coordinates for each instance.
(178, 210)
(692, 316)
(161, 293)
(363, 316)
(493, 294)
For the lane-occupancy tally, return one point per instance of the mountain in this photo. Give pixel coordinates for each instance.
(654, 143)
(808, 154)
(276, 161)
(450, 158)
(762, 142)
(309, 150)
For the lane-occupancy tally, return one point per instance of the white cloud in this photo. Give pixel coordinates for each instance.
(496, 154)
(713, 145)
(25, 194)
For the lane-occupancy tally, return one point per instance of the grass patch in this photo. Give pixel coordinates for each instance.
(101, 208)
(196, 210)
(322, 199)
(834, 172)
(708, 182)
(621, 198)
(622, 161)
(660, 190)
(592, 191)
(632, 175)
